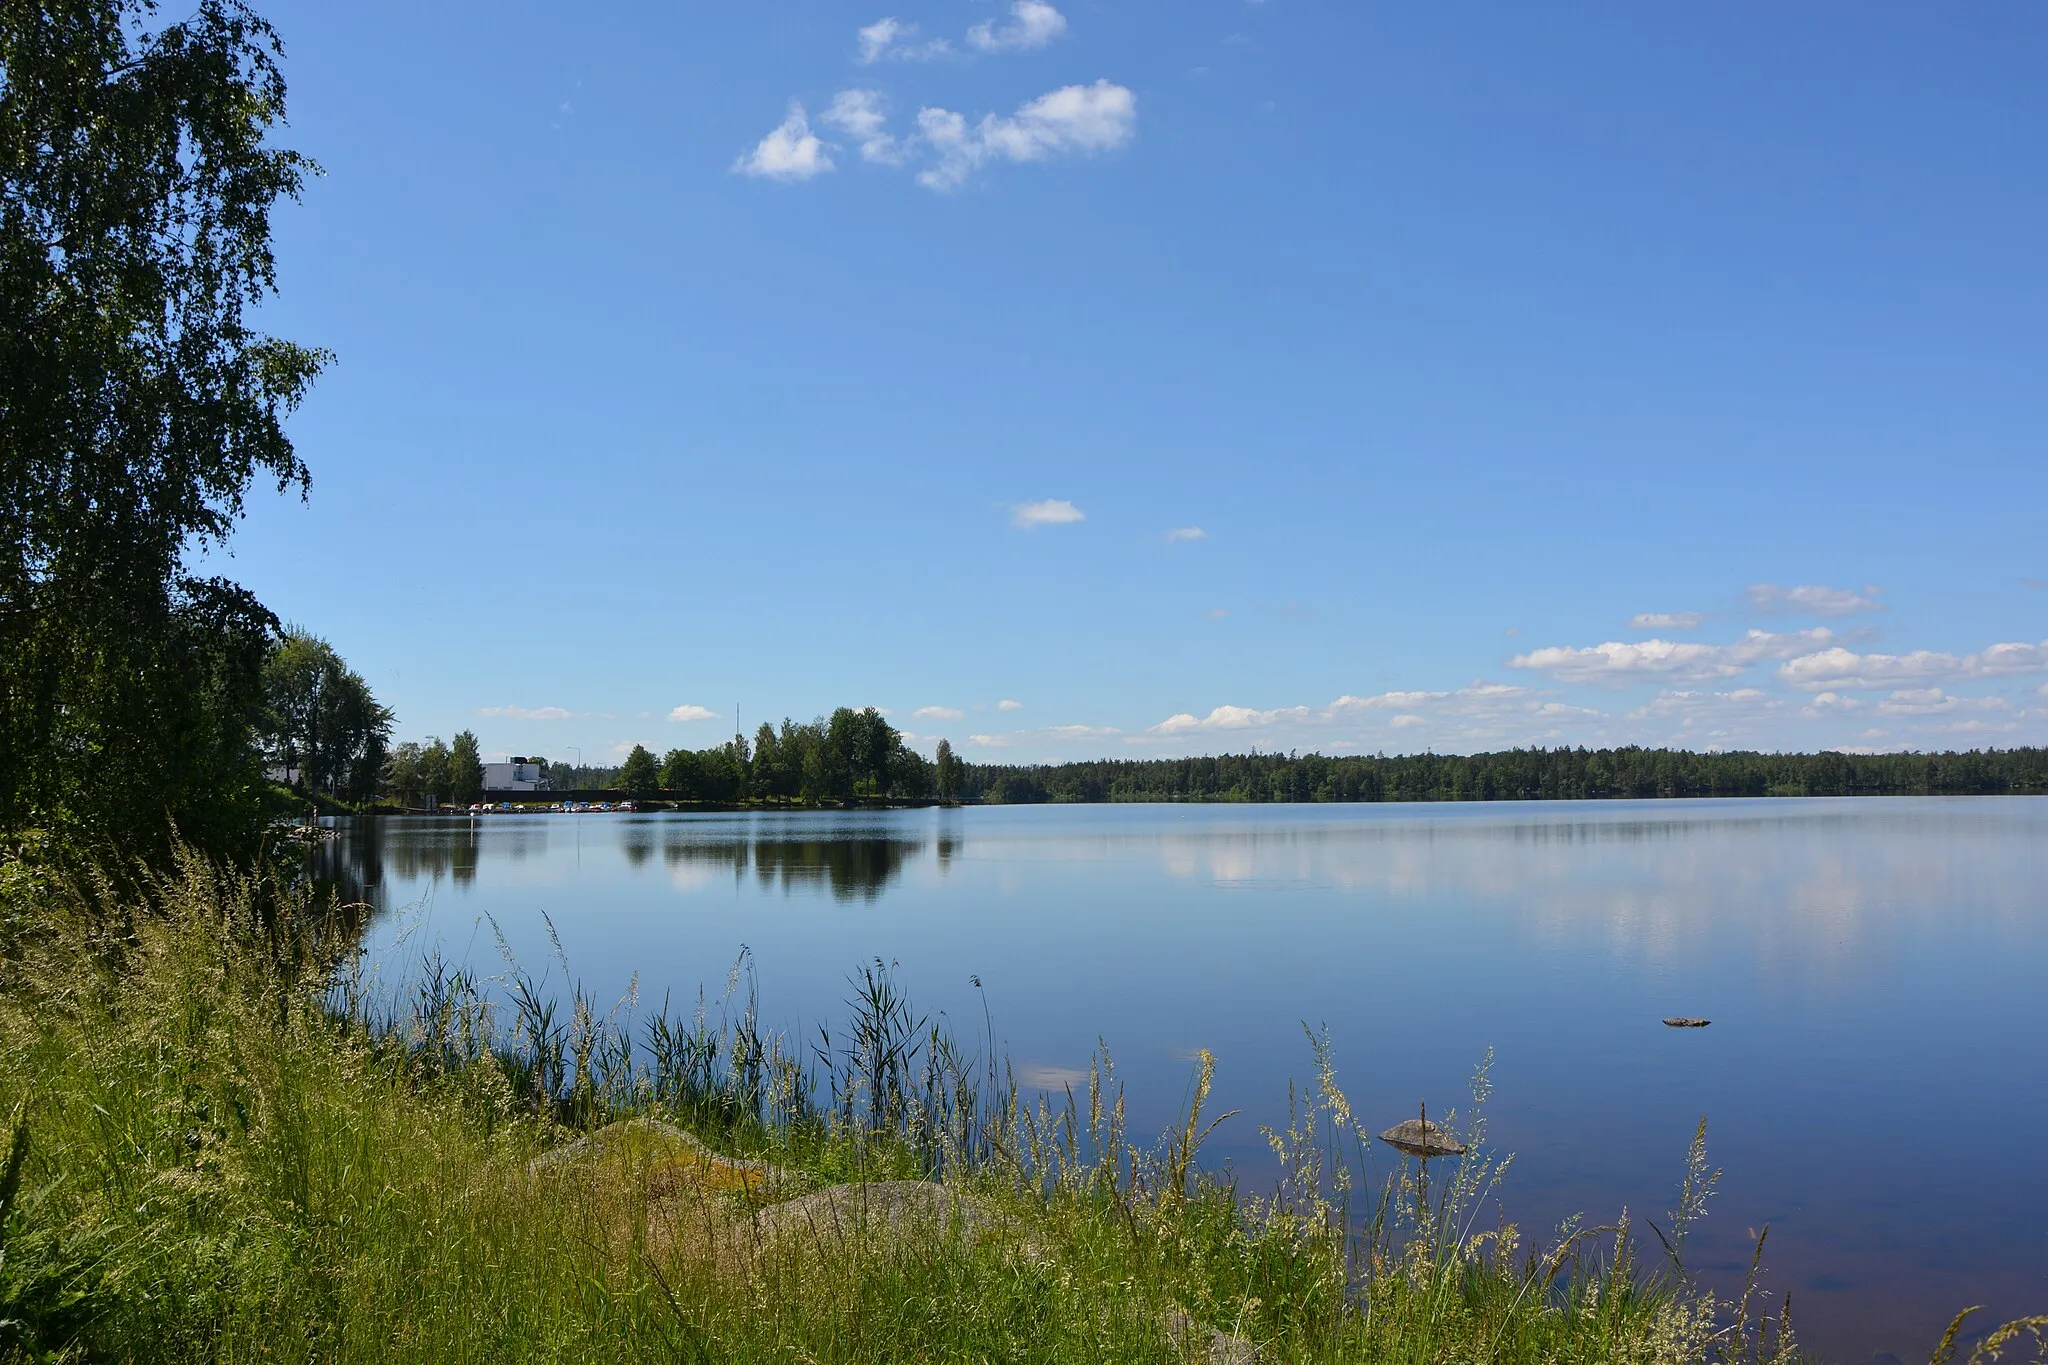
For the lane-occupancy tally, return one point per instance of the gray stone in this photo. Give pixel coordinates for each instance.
(1423, 1138)
(1210, 1345)
(885, 1209)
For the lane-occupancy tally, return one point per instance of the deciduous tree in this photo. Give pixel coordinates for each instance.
(137, 406)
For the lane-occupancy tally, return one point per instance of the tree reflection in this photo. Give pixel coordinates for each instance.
(851, 868)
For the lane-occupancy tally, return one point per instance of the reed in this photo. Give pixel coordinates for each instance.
(227, 1144)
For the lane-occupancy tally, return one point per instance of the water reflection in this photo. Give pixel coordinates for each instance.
(851, 869)
(419, 854)
(1860, 959)
(349, 868)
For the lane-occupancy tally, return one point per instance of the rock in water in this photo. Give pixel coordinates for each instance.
(1686, 1021)
(1421, 1137)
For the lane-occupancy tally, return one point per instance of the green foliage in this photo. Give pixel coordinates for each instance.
(416, 771)
(849, 756)
(1514, 775)
(465, 769)
(136, 408)
(947, 771)
(323, 725)
(639, 775)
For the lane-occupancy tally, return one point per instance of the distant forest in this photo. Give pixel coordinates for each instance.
(1513, 775)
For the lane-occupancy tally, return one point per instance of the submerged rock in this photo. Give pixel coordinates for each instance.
(1423, 1138)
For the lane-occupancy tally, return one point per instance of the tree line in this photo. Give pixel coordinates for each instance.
(1512, 775)
(847, 756)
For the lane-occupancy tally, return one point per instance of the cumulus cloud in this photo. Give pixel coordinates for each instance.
(687, 712)
(1227, 718)
(1839, 669)
(511, 712)
(1481, 714)
(891, 39)
(1814, 599)
(1932, 701)
(1186, 533)
(1976, 727)
(1829, 704)
(1072, 119)
(937, 713)
(1008, 705)
(1033, 24)
(858, 114)
(1666, 620)
(1051, 734)
(790, 153)
(1618, 662)
(1029, 516)
(1690, 705)
(877, 38)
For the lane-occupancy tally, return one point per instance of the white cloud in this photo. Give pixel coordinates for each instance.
(1050, 734)
(1932, 701)
(1829, 704)
(1975, 727)
(1186, 533)
(687, 712)
(1033, 24)
(877, 38)
(1814, 599)
(1214, 614)
(1074, 118)
(1029, 516)
(937, 713)
(2008, 660)
(1227, 718)
(1691, 706)
(511, 712)
(1007, 705)
(1483, 714)
(890, 38)
(1841, 669)
(1618, 662)
(1666, 620)
(858, 114)
(790, 153)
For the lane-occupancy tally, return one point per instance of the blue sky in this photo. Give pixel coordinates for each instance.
(1103, 377)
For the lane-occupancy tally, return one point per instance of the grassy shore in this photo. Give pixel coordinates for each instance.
(225, 1147)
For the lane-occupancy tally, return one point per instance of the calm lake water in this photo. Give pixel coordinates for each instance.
(1875, 1077)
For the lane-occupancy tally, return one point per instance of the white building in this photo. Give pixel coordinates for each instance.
(520, 775)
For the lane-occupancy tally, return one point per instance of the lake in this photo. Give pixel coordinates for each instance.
(1875, 1077)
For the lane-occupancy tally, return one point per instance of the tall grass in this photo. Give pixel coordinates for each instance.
(225, 1144)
